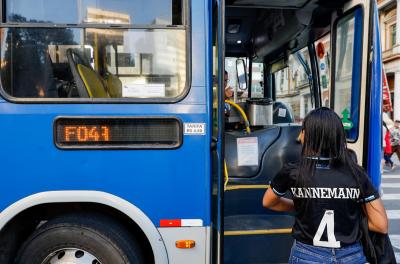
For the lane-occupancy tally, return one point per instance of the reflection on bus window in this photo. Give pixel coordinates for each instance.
(149, 12)
(344, 65)
(347, 57)
(94, 63)
(292, 85)
(257, 82)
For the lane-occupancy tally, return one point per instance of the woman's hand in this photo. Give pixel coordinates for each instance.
(277, 203)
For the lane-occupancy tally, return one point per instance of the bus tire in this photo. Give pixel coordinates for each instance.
(80, 238)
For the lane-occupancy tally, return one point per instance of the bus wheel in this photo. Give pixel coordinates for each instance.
(80, 239)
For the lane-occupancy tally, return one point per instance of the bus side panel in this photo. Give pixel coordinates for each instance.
(165, 184)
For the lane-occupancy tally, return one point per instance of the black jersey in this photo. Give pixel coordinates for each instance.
(328, 204)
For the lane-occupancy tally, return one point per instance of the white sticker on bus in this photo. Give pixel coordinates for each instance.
(247, 151)
(282, 112)
(143, 90)
(194, 129)
(191, 222)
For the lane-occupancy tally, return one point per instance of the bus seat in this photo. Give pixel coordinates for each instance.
(88, 82)
(114, 86)
(282, 113)
(93, 82)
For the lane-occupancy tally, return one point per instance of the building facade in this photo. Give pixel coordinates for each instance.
(389, 20)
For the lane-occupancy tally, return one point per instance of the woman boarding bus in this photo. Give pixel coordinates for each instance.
(330, 191)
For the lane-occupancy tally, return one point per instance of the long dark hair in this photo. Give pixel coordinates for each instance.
(325, 140)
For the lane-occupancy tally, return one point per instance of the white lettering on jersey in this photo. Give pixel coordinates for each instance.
(326, 193)
(341, 193)
(328, 221)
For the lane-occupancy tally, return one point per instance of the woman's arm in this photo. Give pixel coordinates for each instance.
(377, 218)
(277, 203)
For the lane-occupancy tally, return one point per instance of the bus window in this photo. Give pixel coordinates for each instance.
(138, 12)
(92, 62)
(292, 86)
(347, 54)
(322, 47)
(257, 80)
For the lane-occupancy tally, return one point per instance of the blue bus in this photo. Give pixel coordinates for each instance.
(119, 144)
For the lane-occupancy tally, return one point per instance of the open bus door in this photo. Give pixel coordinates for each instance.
(361, 104)
(356, 86)
(351, 41)
(300, 55)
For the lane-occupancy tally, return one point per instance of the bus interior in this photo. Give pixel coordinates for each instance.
(278, 56)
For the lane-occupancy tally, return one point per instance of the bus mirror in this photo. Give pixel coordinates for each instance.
(241, 74)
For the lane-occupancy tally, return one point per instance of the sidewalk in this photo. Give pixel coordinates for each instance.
(391, 199)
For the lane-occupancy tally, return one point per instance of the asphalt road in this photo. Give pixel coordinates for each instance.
(391, 200)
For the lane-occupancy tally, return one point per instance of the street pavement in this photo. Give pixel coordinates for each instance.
(391, 200)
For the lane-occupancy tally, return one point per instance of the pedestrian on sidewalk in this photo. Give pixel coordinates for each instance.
(330, 193)
(387, 149)
(395, 139)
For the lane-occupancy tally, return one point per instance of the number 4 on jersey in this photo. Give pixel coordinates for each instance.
(327, 221)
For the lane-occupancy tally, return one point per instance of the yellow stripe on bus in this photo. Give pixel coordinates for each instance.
(239, 187)
(259, 232)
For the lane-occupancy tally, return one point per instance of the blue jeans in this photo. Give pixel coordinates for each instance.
(307, 254)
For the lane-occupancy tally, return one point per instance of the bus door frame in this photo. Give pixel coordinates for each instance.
(218, 143)
(373, 140)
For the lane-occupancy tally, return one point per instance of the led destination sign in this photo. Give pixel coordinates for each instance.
(85, 134)
(159, 133)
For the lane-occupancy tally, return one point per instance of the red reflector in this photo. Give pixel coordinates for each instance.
(170, 223)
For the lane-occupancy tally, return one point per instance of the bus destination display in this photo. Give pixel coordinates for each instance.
(86, 134)
(117, 133)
